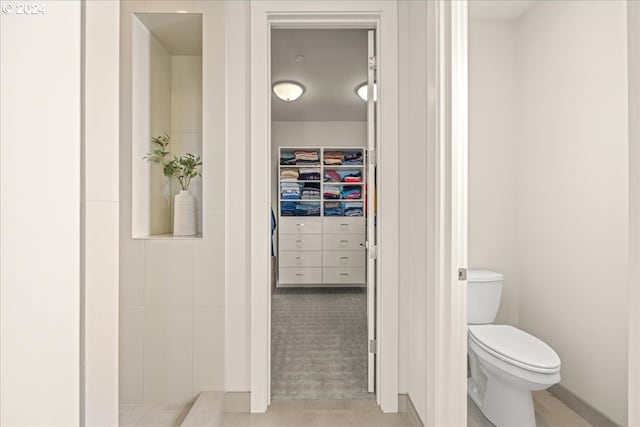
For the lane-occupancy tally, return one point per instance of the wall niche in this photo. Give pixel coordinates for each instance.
(166, 85)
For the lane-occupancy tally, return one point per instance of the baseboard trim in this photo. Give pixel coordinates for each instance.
(405, 406)
(580, 407)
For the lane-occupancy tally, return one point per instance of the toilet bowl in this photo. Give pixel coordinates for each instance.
(506, 363)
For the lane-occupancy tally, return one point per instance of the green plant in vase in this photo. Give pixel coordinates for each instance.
(183, 168)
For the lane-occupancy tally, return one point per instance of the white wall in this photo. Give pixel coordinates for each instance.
(101, 212)
(633, 22)
(494, 121)
(413, 205)
(186, 119)
(172, 315)
(549, 180)
(573, 194)
(160, 82)
(40, 216)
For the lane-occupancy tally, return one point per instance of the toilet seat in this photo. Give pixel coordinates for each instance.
(516, 348)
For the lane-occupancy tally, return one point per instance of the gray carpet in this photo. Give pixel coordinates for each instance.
(319, 344)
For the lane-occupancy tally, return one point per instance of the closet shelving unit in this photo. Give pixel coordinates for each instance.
(323, 249)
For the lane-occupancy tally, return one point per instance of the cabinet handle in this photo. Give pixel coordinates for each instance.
(344, 257)
(344, 241)
(300, 225)
(299, 274)
(299, 257)
(299, 241)
(344, 274)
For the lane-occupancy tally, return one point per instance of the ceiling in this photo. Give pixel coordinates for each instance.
(335, 63)
(498, 9)
(179, 33)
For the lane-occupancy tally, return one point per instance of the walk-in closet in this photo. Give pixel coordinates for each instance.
(322, 212)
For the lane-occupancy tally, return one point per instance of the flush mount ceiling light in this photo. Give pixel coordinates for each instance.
(362, 91)
(288, 91)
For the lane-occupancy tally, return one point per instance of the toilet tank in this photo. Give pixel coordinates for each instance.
(484, 289)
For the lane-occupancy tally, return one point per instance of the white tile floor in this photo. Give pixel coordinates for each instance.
(550, 412)
(151, 416)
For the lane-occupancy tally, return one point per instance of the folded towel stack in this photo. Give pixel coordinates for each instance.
(287, 159)
(309, 174)
(351, 192)
(310, 157)
(353, 208)
(311, 191)
(352, 158)
(333, 157)
(289, 175)
(333, 209)
(289, 190)
(331, 192)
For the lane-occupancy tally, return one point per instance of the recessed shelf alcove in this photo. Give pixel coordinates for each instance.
(167, 87)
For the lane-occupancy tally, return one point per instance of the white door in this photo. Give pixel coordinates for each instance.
(371, 211)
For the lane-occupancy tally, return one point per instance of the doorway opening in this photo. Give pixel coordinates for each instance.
(323, 177)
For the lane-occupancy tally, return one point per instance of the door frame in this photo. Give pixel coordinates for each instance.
(325, 14)
(447, 134)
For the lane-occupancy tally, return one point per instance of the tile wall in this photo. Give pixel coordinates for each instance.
(172, 290)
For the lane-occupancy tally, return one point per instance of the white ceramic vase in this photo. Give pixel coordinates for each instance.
(184, 214)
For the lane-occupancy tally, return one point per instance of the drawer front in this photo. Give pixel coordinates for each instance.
(300, 259)
(301, 275)
(300, 242)
(343, 258)
(301, 225)
(343, 242)
(347, 275)
(343, 225)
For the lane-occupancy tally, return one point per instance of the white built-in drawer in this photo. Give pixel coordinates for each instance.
(343, 242)
(343, 225)
(300, 275)
(343, 275)
(343, 258)
(300, 259)
(300, 242)
(300, 225)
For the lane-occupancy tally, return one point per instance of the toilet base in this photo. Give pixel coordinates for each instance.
(503, 404)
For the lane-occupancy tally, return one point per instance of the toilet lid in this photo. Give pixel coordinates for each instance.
(516, 347)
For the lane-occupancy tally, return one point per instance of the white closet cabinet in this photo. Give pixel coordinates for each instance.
(322, 224)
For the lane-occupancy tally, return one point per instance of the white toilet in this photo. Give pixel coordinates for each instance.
(507, 364)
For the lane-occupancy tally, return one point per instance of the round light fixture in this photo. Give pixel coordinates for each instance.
(362, 91)
(288, 91)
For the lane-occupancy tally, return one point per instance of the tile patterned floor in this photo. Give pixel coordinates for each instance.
(319, 344)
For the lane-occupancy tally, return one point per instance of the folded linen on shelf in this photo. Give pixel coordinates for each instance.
(311, 191)
(352, 158)
(333, 157)
(331, 192)
(287, 159)
(309, 174)
(307, 209)
(289, 190)
(331, 176)
(349, 173)
(288, 208)
(289, 175)
(306, 157)
(353, 208)
(333, 209)
(351, 192)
